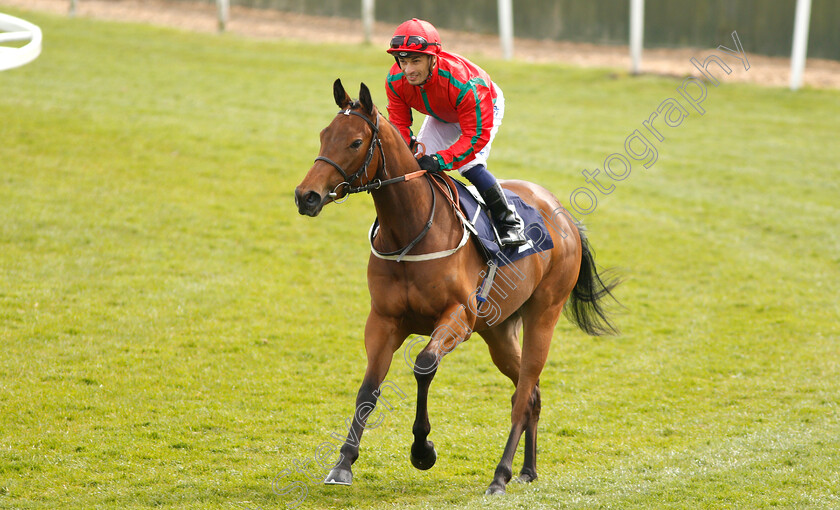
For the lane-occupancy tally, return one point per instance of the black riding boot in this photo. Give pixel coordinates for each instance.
(508, 223)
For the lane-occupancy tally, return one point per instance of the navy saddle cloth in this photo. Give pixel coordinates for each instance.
(539, 239)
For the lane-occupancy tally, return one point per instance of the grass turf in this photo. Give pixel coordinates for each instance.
(174, 335)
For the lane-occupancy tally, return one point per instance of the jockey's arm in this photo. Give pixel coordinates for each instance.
(399, 114)
(475, 116)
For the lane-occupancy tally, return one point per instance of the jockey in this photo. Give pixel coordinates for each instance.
(464, 110)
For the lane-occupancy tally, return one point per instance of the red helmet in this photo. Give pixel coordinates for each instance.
(415, 36)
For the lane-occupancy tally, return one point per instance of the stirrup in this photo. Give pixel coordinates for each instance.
(511, 229)
(513, 237)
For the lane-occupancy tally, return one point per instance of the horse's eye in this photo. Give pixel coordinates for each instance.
(356, 144)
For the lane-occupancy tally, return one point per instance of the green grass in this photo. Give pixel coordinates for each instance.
(175, 335)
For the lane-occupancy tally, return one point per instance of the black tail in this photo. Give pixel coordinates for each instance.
(585, 307)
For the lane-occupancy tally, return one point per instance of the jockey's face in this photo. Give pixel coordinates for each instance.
(416, 67)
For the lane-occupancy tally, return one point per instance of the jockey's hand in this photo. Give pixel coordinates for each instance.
(430, 163)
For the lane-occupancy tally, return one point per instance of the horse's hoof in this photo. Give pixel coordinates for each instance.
(526, 477)
(426, 461)
(495, 490)
(339, 476)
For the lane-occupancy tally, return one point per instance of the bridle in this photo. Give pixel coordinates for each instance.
(348, 181)
(372, 184)
(378, 183)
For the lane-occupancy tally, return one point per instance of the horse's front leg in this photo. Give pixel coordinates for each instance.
(382, 338)
(454, 328)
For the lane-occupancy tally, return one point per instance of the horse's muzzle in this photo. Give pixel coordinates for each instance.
(308, 203)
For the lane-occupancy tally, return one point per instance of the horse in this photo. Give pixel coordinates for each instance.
(427, 286)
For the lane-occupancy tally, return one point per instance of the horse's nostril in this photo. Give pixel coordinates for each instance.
(308, 203)
(312, 198)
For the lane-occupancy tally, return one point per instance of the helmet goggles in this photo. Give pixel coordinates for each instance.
(408, 43)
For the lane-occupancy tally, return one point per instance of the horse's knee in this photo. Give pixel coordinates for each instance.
(425, 365)
(368, 388)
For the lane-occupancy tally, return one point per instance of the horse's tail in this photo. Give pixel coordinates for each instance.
(585, 307)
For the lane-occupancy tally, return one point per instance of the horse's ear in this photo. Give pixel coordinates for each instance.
(364, 98)
(342, 98)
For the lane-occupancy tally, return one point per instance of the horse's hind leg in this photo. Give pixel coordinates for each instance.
(538, 329)
(529, 467)
(503, 342)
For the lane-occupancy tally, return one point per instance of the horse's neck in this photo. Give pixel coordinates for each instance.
(403, 208)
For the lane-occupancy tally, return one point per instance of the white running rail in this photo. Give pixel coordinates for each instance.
(16, 30)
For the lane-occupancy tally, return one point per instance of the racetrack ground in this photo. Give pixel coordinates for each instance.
(175, 335)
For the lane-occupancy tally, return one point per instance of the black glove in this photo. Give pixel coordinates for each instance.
(430, 163)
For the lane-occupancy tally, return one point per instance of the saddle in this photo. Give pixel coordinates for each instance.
(476, 215)
(477, 224)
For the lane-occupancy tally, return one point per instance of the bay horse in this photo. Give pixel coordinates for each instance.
(433, 292)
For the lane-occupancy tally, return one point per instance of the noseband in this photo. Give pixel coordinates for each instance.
(348, 181)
